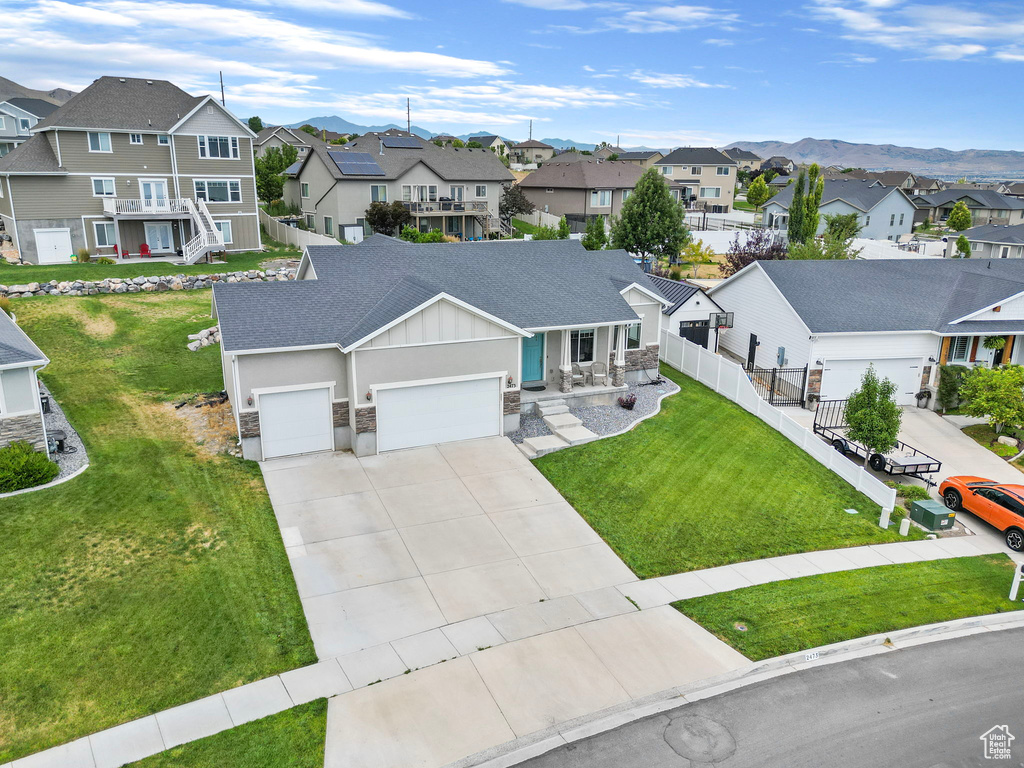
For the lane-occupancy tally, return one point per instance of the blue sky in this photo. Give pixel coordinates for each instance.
(657, 73)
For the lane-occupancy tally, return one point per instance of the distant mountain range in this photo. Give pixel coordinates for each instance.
(12, 90)
(974, 163)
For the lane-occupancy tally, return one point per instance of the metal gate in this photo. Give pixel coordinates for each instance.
(779, 386)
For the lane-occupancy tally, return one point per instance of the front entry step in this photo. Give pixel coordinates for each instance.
(558, 421)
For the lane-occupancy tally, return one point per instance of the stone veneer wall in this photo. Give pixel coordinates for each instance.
(639, 359)
(366, 419)
(28, 428)
(510, 402)
(926, 374)
(339, 413)
(249, 423)
(814, 381)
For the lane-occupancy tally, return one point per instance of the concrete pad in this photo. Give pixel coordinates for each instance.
(795, 566)
(758, 571)
(647, 594)
(602, 603)
(352, 562)
(429, 502)
(453, 544)
(372, 664)
(344, 622)
(683, 586)
(898, 552)
(257, 700)
(475, 457)
(316, 480)
(724, 578)
(426, 719)
(77, 754)
(864, 557)
(534, 619)
(334, 517)
(472, 635)
(483, 589)
(424, 649)
(296, 552)
(657, 649)
(833, 560)
(343, 458)
(576, 435)
(961, 546)
(126, 743)
(547, 679)
(511, 489)
(551, 527)
(578, 570)
(292, 537)
(409, 467)
(317, 681)
(192, 721)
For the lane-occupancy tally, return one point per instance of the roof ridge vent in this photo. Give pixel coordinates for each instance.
(121, 80)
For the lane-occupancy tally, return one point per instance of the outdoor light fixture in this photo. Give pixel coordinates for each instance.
(818, 362)
(369, 395)
(931, 359)
(249, 400)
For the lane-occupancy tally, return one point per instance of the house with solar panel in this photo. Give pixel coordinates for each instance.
(455, 190)
(132, 168)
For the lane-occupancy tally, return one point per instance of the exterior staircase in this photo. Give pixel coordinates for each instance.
(207, 237)
(565, 428)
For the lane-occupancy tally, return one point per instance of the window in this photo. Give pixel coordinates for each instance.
(99, 142)
(304, 189)
(723, 170)
(675, 195)
(481, 190)
(633, 336)
(24, 123)
(901, 218)
(867, 221)
(710, 191)
(625, 194)
(581, 346)
(224, 227)
(378, 193)
(103, 187)
(163, 140)
(134, 138)
(976, 246)
(892, 220)
(328, 226)
(310, 222)
(666, 170)
(959, 349)
(3, 123)
(105, 236)
(695, 170)
(223, 147)
(453, 225)
(218, 190)
(601, 198)
(419, 193)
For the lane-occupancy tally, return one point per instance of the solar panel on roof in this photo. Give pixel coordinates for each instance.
(400, 142)
(356, 163)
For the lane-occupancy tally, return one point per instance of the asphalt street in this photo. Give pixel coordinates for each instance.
(925, 707)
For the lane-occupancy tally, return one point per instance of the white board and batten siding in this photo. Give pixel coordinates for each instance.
(649, 311)
(440, 322)
(1011, 310)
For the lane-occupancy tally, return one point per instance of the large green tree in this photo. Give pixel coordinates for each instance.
(387, 219)
(960, 217)
(255, 124)
(796, 212)
(595, 238)
(270, 171)
(872, 415)
(812, 201)
(650, 224)
(996, 394)
(513, 202)
(758, 192)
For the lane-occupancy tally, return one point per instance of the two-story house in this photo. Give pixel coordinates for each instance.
(452, 189)
(644, 158)
(884, 212)
(745, 160)
(582, 190)
(986, 206)
(702, 178)
(603, 153)
(496, 144)
(18, 116)
(131, 165)
(278, 136)
(531, 151)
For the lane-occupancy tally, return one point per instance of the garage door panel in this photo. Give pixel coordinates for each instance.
(437, 413)
(296, 422)
(841, 377)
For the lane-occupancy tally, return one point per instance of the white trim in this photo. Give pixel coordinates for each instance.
(56, 139)
(223, 109)
(295, 388)
(159, 223)
(230, 229)
(452, 341)
(206, 190)
(88, 143)
(131, 139)
(95, 235)
(986, 309)
(273, 350)
(30, 364)
(292, 388)
(581, 326)
(111, 179)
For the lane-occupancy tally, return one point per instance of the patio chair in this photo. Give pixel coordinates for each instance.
(578, 375)
(144, 251)
(599, 372)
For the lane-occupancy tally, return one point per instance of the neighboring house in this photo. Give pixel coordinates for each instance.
(328, 136)
(925, 186)
(531, 151)
(1015, 190)
(603, 153)
(278, 136)
(905, 180)
(21, 415)
(745, 161)
(388, 345)
(581, 190)
(993, 186)
(884, 213)
(454, 190)
(18, 116)
(129, 162)
(703, 178)
(838, 317)
(780, 181)
(779, 163)
(689, 312)
(644, 158)
(446, 139)
(991, 241)
(986, 206)
(494, 143)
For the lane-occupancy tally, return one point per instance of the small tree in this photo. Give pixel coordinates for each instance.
(872, 415)
(842, 226)
(563, 229)
(963, 247)
(812, 201)
(310, 130)
(947, 393)
(613, 156)
(386, 219)
(650, 224)
(758, 193)
(960, 217)
(759, 245)
(545, 233)
(255, 124)
(270, 169)
(996, 394)
(594, 239)
(696, 253)
(459, 143)
(796, 212)
(513, 202)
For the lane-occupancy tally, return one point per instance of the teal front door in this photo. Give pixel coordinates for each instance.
(533, 358)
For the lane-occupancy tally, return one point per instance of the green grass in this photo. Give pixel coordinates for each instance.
(705, 483)
(524, 227)
(11, 274)
(291, 739)
(984, 435)
(158, 576)
(743, 205)
(789, 616)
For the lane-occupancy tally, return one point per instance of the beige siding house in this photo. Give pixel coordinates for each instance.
(702, 178)
(496, 144)
(532, 151)
(130, 166)
(644, 158)
(986, 206)
(582, 190)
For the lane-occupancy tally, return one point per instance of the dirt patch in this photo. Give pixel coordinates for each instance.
(97, 323)
(279, 264)
(212, 427)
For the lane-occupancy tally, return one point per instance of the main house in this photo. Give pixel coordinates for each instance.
(130, 165)
(21, 415)
(452, 189)
(991, 241)
(702, 178)
(18, 116)
(985, 205)
(387, 344)
(884, 213)
(582, 190)
(906, 317)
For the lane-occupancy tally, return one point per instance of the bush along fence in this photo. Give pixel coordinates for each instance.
(730, 380)
(294, 236)
(142, 284)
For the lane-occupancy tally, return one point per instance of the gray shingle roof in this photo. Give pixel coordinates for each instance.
(36, 107)
(587, 173)
(982, 198)
(1011, 234)
(360, 288)
(740, 154)
(533, 144)
(33, 156)
(865, 295)
(696, 156)
(486, 140)
(15, 346)
(863, 195)
(638, 154)
(676, 291)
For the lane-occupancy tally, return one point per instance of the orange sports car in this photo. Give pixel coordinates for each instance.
(998, 504)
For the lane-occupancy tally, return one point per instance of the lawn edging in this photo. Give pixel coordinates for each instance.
(50, 484)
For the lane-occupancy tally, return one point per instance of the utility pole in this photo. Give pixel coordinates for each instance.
(408, 114)
(222, 89)
(531, 129)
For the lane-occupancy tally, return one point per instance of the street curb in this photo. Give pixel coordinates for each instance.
(536, 744)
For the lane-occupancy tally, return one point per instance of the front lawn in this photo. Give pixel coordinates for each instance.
(705, 483)
(789, 616)
(158, 576)
(290, 739)
(984, 435)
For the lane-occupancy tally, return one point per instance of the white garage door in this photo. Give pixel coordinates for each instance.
(841, 377)
(53, 245)
(296, 422)
(438, 413)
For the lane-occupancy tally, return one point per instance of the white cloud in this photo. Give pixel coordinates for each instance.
(344, 7)
(718, 41)
(665, 138)
(672, 18)
(665, 80)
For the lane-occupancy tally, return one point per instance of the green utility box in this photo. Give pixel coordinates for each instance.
(932, 515)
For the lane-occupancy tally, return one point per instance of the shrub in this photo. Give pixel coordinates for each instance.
(951, 377)
(105, 260)
(909, 492)
(23, 467)
(83, 256)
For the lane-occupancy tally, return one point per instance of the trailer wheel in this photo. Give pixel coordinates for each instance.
(840, 445)
(877, 462)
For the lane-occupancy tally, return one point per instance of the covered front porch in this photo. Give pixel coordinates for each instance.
(976, 350)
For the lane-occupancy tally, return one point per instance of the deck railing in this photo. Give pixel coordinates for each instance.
(441, 207)
(119, 206)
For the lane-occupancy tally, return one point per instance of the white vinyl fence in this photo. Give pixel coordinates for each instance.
(540, 219)
(730, 380)
(292, 235)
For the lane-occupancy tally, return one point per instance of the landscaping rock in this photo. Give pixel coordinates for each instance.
(135, 284)
(1006, 440)
(204, 338)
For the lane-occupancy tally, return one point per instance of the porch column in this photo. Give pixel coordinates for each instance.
(117, 237)
(618, 369)
(565, 368)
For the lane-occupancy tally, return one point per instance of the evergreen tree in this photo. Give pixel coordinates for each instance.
(650, 224)
(563, 229)
(595, 238)
(796, 212)
(963, 247)
(815, 189)
(960, 217)
(270, 169)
